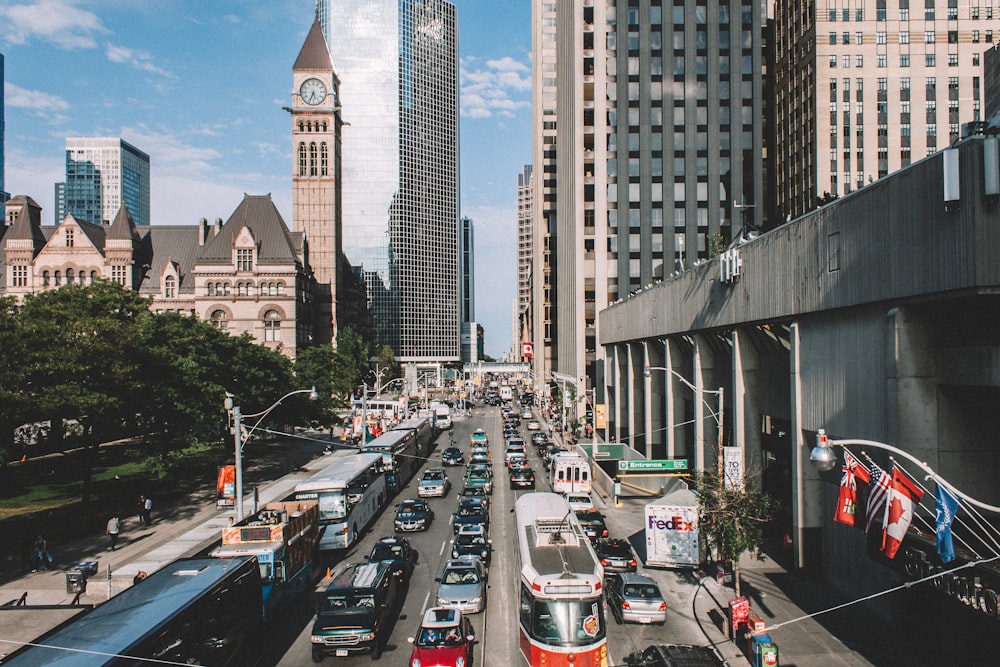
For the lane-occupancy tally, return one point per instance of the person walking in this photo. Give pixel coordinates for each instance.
(147, 510)
(114, 528)
(42, 555)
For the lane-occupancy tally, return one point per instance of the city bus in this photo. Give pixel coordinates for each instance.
(561, 611)
(283, 536)
(400, 458)
(569, 473)
(204, 611)
(423, 428)
(351, 493)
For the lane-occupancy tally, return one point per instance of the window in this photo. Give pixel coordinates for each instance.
(904, 14)
(19, 275)
(847, 61)
(218, 319)
(930, 60)
(118, 275)
(904, 37)
(880, 60)
(975, 36)
(904, 59)
(859, 61)
(859, 38)
(880, 37)
(845, 38)
(169, 287)
(989, 36)
(833, 38)
(272, 326)
(929, 37)
(69, 237)
(46, 278)
(833, 61)
(244, 259)
(953, 59)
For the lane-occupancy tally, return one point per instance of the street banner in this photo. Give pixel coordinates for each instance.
(225, 486)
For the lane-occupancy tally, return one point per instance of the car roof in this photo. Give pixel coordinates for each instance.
(441, 617)
(472, 529)
(634, 578)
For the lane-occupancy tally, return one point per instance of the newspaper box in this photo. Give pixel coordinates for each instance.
(76, 581)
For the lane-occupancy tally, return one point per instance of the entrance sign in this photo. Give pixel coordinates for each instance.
(643, 465)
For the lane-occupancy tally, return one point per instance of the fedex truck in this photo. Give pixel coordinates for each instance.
(672, 530)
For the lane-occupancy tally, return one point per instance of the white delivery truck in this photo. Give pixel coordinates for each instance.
(672, 530)
(442, 414)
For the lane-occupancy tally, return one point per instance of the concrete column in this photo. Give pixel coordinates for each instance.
(630, 383)
(745, 420)
(807, 496)
(673, 403)
(703, 367)
(647, 400)
(656, 436)
(913, 389)
(621, 392)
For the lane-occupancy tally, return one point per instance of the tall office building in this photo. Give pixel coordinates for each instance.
(646, 130)
(102, 173)
(522, 323)
(864, 90)
(398, 66)
(4, 196)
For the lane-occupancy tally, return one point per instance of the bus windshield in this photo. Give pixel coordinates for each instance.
(332, 506)
(569, 622)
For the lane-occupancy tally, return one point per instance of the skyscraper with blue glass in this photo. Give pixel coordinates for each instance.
(398, 65)
(102, 173)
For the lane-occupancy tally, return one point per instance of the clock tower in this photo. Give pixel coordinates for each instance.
(316, 172)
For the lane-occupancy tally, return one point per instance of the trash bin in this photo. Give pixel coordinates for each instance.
(76, 581)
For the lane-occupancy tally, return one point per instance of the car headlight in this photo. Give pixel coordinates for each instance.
(416, 662)
(441, 602)
(368, 636)
(459, 662)
(476, 600)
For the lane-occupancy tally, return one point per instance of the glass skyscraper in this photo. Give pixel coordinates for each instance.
(102, 173)
(398, 65)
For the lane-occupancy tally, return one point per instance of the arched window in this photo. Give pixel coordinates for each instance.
(312, 158)
(46, 278)
(170, 287)
(93, 276)
(58, 279)
(225, 289)
(249, 289)
(303, 159)
(241, 289)
(272, 326)
(323, 160)
(70, 275)
(301, 126)
(210, 289)
(324, 126)
(281, 289)
(218, 319)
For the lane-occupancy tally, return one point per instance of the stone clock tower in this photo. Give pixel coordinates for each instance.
(316, 172)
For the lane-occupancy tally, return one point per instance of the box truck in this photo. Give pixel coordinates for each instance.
(672, 530)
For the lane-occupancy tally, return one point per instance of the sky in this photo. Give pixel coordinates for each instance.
(200, 85)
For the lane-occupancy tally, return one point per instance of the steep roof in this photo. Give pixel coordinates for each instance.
(28, 225)
(275, 243)
(315, 53)
(123, 226)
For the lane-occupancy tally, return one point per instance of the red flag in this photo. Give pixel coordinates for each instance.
(847, 499)
(903, 493)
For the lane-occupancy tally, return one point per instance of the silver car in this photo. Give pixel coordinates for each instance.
(433, 483)
(634, 598)
(462, 584)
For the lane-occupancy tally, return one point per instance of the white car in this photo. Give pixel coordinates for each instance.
(433, 484)
(534, 425)
(580, 502)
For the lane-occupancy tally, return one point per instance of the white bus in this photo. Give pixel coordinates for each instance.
(561, 611)
(351, 493)
(569, 473)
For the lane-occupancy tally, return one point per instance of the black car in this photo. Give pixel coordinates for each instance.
(413, 515)
(452, 456)
(398, 551)
(470, 513)
(522, 478)
(675, 655)
(475, 492)
(616, 555)
(472, 541)
(593, 524)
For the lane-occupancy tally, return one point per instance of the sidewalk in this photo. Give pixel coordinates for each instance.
(178, 531)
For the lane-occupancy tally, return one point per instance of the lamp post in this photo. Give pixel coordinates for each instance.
(718, 413)
(824, 458)
(240, 439)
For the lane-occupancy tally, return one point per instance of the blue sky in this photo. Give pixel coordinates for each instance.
(199, 86)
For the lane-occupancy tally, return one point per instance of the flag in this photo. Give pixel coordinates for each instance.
(877, 490)
(898, 511)
(847, 499)
(945, 505)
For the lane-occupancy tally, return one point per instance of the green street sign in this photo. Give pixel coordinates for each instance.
(642, 465)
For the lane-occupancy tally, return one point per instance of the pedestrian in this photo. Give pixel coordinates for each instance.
(140, 509)
(42, 556)
(147, 511)
(114, 528)
(140, 576)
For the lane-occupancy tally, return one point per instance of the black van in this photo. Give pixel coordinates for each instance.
(354, 611)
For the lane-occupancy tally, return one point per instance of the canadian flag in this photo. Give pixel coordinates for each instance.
(903, 493)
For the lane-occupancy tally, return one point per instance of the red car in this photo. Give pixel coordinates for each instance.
(445, 638)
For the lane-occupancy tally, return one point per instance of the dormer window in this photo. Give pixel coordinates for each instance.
(169, 287)
(245, 250)
(69, 237)
(244, 259)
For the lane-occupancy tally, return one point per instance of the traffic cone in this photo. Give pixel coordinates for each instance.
(24, 458)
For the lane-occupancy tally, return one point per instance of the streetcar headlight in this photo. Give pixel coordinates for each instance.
(459, 662)
(416, 662)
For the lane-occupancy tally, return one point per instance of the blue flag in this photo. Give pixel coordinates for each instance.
(946, 505)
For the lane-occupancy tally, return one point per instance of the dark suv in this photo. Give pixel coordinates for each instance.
(675, 655)
(355, 611)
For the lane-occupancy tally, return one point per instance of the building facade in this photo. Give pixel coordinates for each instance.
(247, 275)
(525, 238)
(102, 174)
(865, 90)
(647, 142)
(398, 66)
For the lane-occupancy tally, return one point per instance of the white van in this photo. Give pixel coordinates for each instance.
(442, 414)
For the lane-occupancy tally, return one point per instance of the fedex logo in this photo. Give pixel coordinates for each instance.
(673, 523)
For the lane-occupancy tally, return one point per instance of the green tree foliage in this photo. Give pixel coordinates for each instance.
(732, 518)
(314, 368)
(350, 362)
(15, 404)
(387, 360)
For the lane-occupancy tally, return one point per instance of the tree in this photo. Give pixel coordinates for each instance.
(314, 367)
(14, 403)
(732, 518)
(387, 360)
(350, 362)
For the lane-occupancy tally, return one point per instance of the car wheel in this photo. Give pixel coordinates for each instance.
(377, 649)
(317, 655)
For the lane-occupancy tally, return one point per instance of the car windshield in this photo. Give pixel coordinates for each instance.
(450, 636)
(470, 510)
(470, 540)
(568, 623)
(642, 591)
(347, 604)
(465, 575)
(386, 552)
(433, 476)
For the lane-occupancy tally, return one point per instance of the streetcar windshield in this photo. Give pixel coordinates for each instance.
(568, 623)
(332, 506)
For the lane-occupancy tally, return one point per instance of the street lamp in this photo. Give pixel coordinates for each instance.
(824, 458)
(240, 439)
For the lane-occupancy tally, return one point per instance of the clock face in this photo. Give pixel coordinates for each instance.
(312, 91)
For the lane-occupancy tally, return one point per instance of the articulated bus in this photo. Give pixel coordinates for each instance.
(204, 611)
(424, 429)
(569, 473)
(561, 610)
(351, 493)
(400, 457)
(283, 536)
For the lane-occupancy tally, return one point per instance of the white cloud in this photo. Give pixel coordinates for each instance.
(135, 58)
(496, 87)
(42, 104)
(59, 22)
